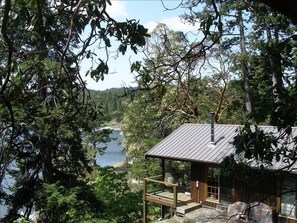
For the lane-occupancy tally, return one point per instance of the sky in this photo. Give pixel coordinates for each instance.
(149, 13)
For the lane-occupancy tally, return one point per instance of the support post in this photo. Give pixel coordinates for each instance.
(144, 202)
(163, 168)
(163, 208)
(174, 199)
(278, 193)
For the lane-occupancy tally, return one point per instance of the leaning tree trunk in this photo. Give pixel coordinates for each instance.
(46, 145)
(276, 71)
(244, 65)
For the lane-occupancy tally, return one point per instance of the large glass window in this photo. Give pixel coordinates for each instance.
(213, 183)
(226, 184)
(288, 200)
(219, 186)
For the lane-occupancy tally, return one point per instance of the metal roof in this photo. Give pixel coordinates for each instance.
(192, 142)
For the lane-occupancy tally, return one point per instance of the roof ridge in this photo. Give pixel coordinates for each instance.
(232, 125)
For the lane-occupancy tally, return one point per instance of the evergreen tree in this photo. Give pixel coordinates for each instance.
(48, 122)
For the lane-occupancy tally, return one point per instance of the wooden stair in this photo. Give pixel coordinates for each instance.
(186, 208)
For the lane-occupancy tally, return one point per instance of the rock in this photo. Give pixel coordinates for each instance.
(237, 210)
(261, 213)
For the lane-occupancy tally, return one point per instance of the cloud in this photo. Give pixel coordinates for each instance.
(117, 9)
(174, 23)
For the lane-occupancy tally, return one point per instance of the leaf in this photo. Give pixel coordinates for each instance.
(135, 66)
(32, 3)
(123, 48)
(107, 42)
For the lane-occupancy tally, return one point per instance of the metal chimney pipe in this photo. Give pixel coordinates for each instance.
(212, 136)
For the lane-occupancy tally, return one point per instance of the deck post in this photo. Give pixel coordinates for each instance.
(174, 199)
(278, 194)
(163, 211)
(144, 202)
(144, 212)
(163, 208)
(163, 169)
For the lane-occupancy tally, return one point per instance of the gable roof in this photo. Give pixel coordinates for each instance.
(192, 142)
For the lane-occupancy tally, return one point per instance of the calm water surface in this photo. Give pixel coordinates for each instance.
(113, 153)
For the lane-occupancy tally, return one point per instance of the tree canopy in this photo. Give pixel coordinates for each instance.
(252, 81)
(49, 125)
(262, 45)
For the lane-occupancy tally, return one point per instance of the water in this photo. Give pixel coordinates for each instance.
(113, 153)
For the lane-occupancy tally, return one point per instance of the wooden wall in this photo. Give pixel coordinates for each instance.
(247, 187)
(257, 186)
(198, 174)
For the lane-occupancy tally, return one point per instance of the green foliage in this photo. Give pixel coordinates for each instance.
(142, 127)
(21, 220)
(273, 82)
(174, 93)
(121, 204)
(68, 202)
(153, 212)
(256, 144)
(260, 44)
(113, 102)
(49, 124)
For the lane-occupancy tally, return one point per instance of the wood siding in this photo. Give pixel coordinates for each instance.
(250, 187)
(256, 187)
(242, 185)
(198, 174)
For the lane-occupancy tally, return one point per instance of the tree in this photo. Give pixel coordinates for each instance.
(270, 66)
(112, 101)
(287, 8)
(143, 126)
(47, 117)
(120, 202)
(178, 76)
(274, 76)
(174, 91)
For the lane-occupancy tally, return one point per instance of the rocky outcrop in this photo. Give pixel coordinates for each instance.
(261, 213)
(238, 210)
(254, 212)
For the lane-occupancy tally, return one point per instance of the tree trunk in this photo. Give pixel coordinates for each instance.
(244, 65)
(276, 71)
(47, 167)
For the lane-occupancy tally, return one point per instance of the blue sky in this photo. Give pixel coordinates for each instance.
(149, 13)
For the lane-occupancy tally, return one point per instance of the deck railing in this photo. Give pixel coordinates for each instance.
(153, 188)
(164, 192)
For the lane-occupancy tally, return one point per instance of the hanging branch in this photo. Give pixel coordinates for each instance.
(7, 7)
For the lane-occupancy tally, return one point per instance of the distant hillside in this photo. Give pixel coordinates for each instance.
(113, 102)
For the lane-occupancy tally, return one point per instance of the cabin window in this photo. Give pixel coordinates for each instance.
(213, 180)
(288, 199)
(226, 184)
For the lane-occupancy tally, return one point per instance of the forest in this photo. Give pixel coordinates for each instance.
(241, 64)
(112, 101)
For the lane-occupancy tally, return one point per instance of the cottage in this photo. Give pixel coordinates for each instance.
(203, 147)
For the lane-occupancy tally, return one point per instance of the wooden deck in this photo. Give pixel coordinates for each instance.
(167, 195)
(184, 203)
(161, 197)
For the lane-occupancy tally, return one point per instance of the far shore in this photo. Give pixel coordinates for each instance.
(119, 166)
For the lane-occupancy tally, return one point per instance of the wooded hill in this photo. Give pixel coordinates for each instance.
(112, 102)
